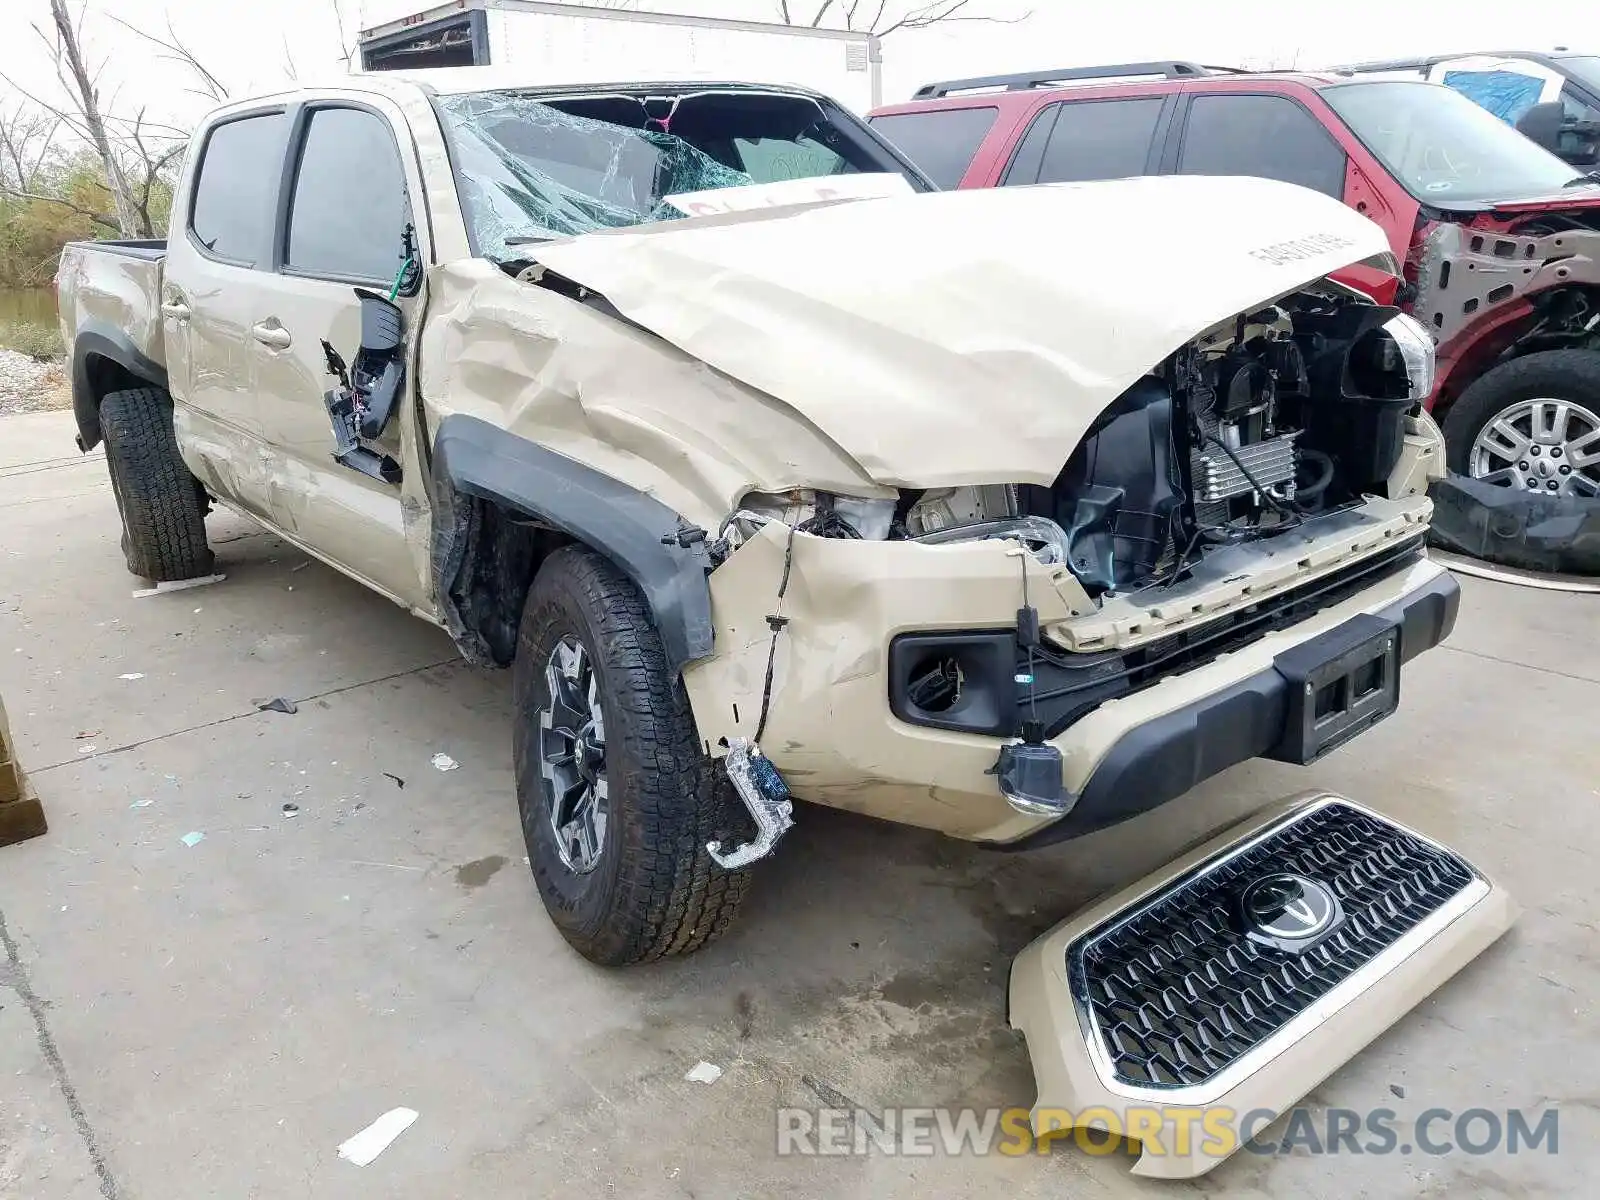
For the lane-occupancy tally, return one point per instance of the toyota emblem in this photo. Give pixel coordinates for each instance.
(1288, 911)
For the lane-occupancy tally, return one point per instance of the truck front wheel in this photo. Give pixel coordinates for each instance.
(1532, 424)
(617, 796)
(161, 504)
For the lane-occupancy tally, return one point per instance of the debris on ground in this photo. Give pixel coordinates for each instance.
(21, 814)
(291, 810)
(443, 762)
(86, 749)
(86, 733)
(142, 803)
(398, 782)
(1532, 531)
(830, 1095)
(178, 585)
(375, 1138)
(278, 705)
(704, 1072)
(192, 839)
(28, 385)
(131, 675)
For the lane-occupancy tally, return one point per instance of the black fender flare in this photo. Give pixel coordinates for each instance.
(660, 551)
(97, 341)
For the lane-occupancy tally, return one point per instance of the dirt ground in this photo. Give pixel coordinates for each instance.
(214, 1019)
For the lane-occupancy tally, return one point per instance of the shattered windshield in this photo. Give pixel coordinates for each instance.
(1442, 147)
(530, 171)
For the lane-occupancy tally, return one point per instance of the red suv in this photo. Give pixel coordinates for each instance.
(1499, 239)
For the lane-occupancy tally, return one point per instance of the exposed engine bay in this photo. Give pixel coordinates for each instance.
(1260, 425)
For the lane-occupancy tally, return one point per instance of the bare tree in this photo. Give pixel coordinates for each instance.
(26, 138)
(348, 45)
(27, 149)
(152, 163)
(176, 52)
(136, 155)
(80, 86)
(883, 17)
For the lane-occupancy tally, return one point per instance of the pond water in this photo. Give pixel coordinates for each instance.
(29, 306)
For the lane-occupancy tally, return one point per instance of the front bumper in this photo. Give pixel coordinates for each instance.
(1165, 757)
(824, 679)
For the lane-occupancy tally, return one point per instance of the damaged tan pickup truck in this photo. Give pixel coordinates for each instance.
(771, 473)
(917, 502)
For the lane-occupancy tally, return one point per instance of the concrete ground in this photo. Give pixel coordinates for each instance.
(214, 1020)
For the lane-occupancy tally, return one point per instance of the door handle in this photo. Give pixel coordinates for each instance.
(275, 336)
(176, 309)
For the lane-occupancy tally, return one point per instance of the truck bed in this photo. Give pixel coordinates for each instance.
(113, 289)
(147, 248)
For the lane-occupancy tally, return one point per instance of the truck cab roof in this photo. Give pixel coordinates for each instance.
(457, 81)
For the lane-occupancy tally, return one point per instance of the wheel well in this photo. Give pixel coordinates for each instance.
(105, 361)
(502, 553)
(100, 378)
(105, 376)
(1558, 319)
(501, 503)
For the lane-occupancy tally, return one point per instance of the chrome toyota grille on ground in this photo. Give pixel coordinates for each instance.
(1186, 985)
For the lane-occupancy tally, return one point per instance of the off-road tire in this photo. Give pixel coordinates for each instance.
(162, 504)
(655, 891)
(1549, 374)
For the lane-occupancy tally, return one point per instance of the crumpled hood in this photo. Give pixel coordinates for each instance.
(967, 337)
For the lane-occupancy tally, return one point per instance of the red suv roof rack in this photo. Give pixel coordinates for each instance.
(1172, 69)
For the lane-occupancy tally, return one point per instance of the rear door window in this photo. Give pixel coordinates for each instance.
(943, 142)
(1088, 139)
(1269, 137)
(348, 214)
(231, 214)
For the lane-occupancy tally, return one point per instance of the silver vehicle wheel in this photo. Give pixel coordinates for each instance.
(572, 757)
(1546, 446)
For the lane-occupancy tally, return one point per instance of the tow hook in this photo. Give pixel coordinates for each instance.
(766, 796)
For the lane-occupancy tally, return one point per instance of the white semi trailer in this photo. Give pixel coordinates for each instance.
(558, 44)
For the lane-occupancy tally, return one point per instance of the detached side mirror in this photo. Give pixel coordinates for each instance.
(1542, 124)
(360, 407)
(380, 369)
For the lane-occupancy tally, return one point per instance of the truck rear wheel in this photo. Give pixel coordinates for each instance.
(617, 796)
(162, 505)
(1532, 424)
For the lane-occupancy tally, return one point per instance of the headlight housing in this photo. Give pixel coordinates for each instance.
(808, 511)
(1415, 347)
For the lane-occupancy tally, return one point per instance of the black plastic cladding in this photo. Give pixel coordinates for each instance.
(96, 345)
(1069, 686)
(640, 534)
(1178, 993)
